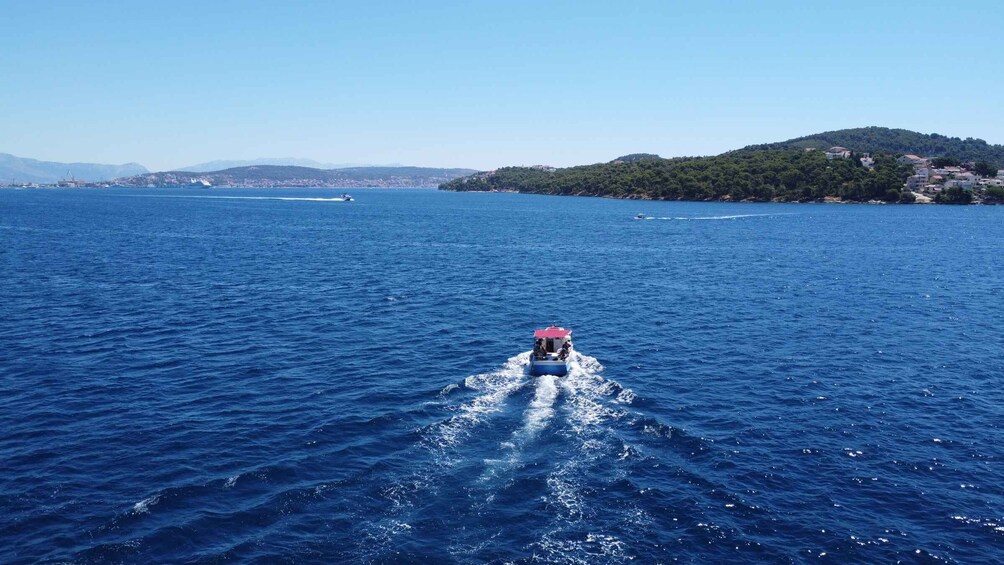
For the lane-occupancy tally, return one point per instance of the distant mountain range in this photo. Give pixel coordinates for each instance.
(220, 165)
(22, 170)
(274, 176)
(266, 172)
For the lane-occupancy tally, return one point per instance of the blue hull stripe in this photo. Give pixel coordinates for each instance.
(559, 368)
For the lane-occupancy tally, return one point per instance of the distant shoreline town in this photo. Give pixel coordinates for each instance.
(273, 176)
(933, 176)
(864, 165)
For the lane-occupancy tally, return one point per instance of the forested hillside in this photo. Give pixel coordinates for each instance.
(878, 139)
(765, 175)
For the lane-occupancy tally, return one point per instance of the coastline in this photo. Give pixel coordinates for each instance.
(926, 200)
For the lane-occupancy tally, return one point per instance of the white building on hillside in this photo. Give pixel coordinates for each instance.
(916, 183)
(947, 172)
(962, 180)
(911, 159)
(838, 152)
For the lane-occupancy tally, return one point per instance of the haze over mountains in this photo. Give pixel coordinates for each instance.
(221, 164)
(24, 170)
(276, 176)
(291, 171)
(20, 170)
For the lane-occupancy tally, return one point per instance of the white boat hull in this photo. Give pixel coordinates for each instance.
(548, 367)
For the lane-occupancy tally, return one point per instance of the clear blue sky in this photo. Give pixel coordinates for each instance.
(483, 84)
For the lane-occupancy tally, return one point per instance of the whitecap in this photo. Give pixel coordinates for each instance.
(143, 506)
(626, 396)
(448, 389)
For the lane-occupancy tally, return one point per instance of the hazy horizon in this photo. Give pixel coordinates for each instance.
(482, 86)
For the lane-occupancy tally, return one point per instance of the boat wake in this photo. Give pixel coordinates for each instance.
(542, 407)
(731, 217)
(558, 452)
(493, 389)
(282, 198)
(594, 453)
(438, 453)
(535, 419)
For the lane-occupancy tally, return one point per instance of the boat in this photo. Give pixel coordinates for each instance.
(346, 198)
(640, 216)
(199, 183)
(552, 349)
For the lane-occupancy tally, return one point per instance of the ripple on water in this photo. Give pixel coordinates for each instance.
(270, 376)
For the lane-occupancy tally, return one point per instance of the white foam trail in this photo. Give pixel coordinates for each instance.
(286, 198)
(586, 390)
(584, 387)
(589, 399)
(732, 217)
(495, 388)
(441, 439)
(736, 216)
(542, 408)
(535, 418)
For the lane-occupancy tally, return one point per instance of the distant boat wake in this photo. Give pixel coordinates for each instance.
(731, 217)
(285, 198)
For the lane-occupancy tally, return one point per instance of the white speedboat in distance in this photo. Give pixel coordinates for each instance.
(552, 348)
(346, 198)
(640, 216)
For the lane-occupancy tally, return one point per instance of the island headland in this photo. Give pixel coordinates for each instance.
(871, 164)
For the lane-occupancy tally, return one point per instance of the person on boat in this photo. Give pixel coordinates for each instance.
(566, 348)
(538, 349)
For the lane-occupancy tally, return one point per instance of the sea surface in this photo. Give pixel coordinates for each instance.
(276, 377)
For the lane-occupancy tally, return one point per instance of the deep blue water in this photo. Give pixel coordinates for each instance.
(199, 380)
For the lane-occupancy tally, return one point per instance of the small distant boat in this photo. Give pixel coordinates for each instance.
(640, 216)
(552, 348)
(347, 198)
(199, 183)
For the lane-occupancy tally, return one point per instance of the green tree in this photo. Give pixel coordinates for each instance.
(947, 161)
(954, 195)
(995, 195)
(985, 169)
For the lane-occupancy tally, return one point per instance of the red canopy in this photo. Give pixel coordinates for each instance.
(553, 331)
